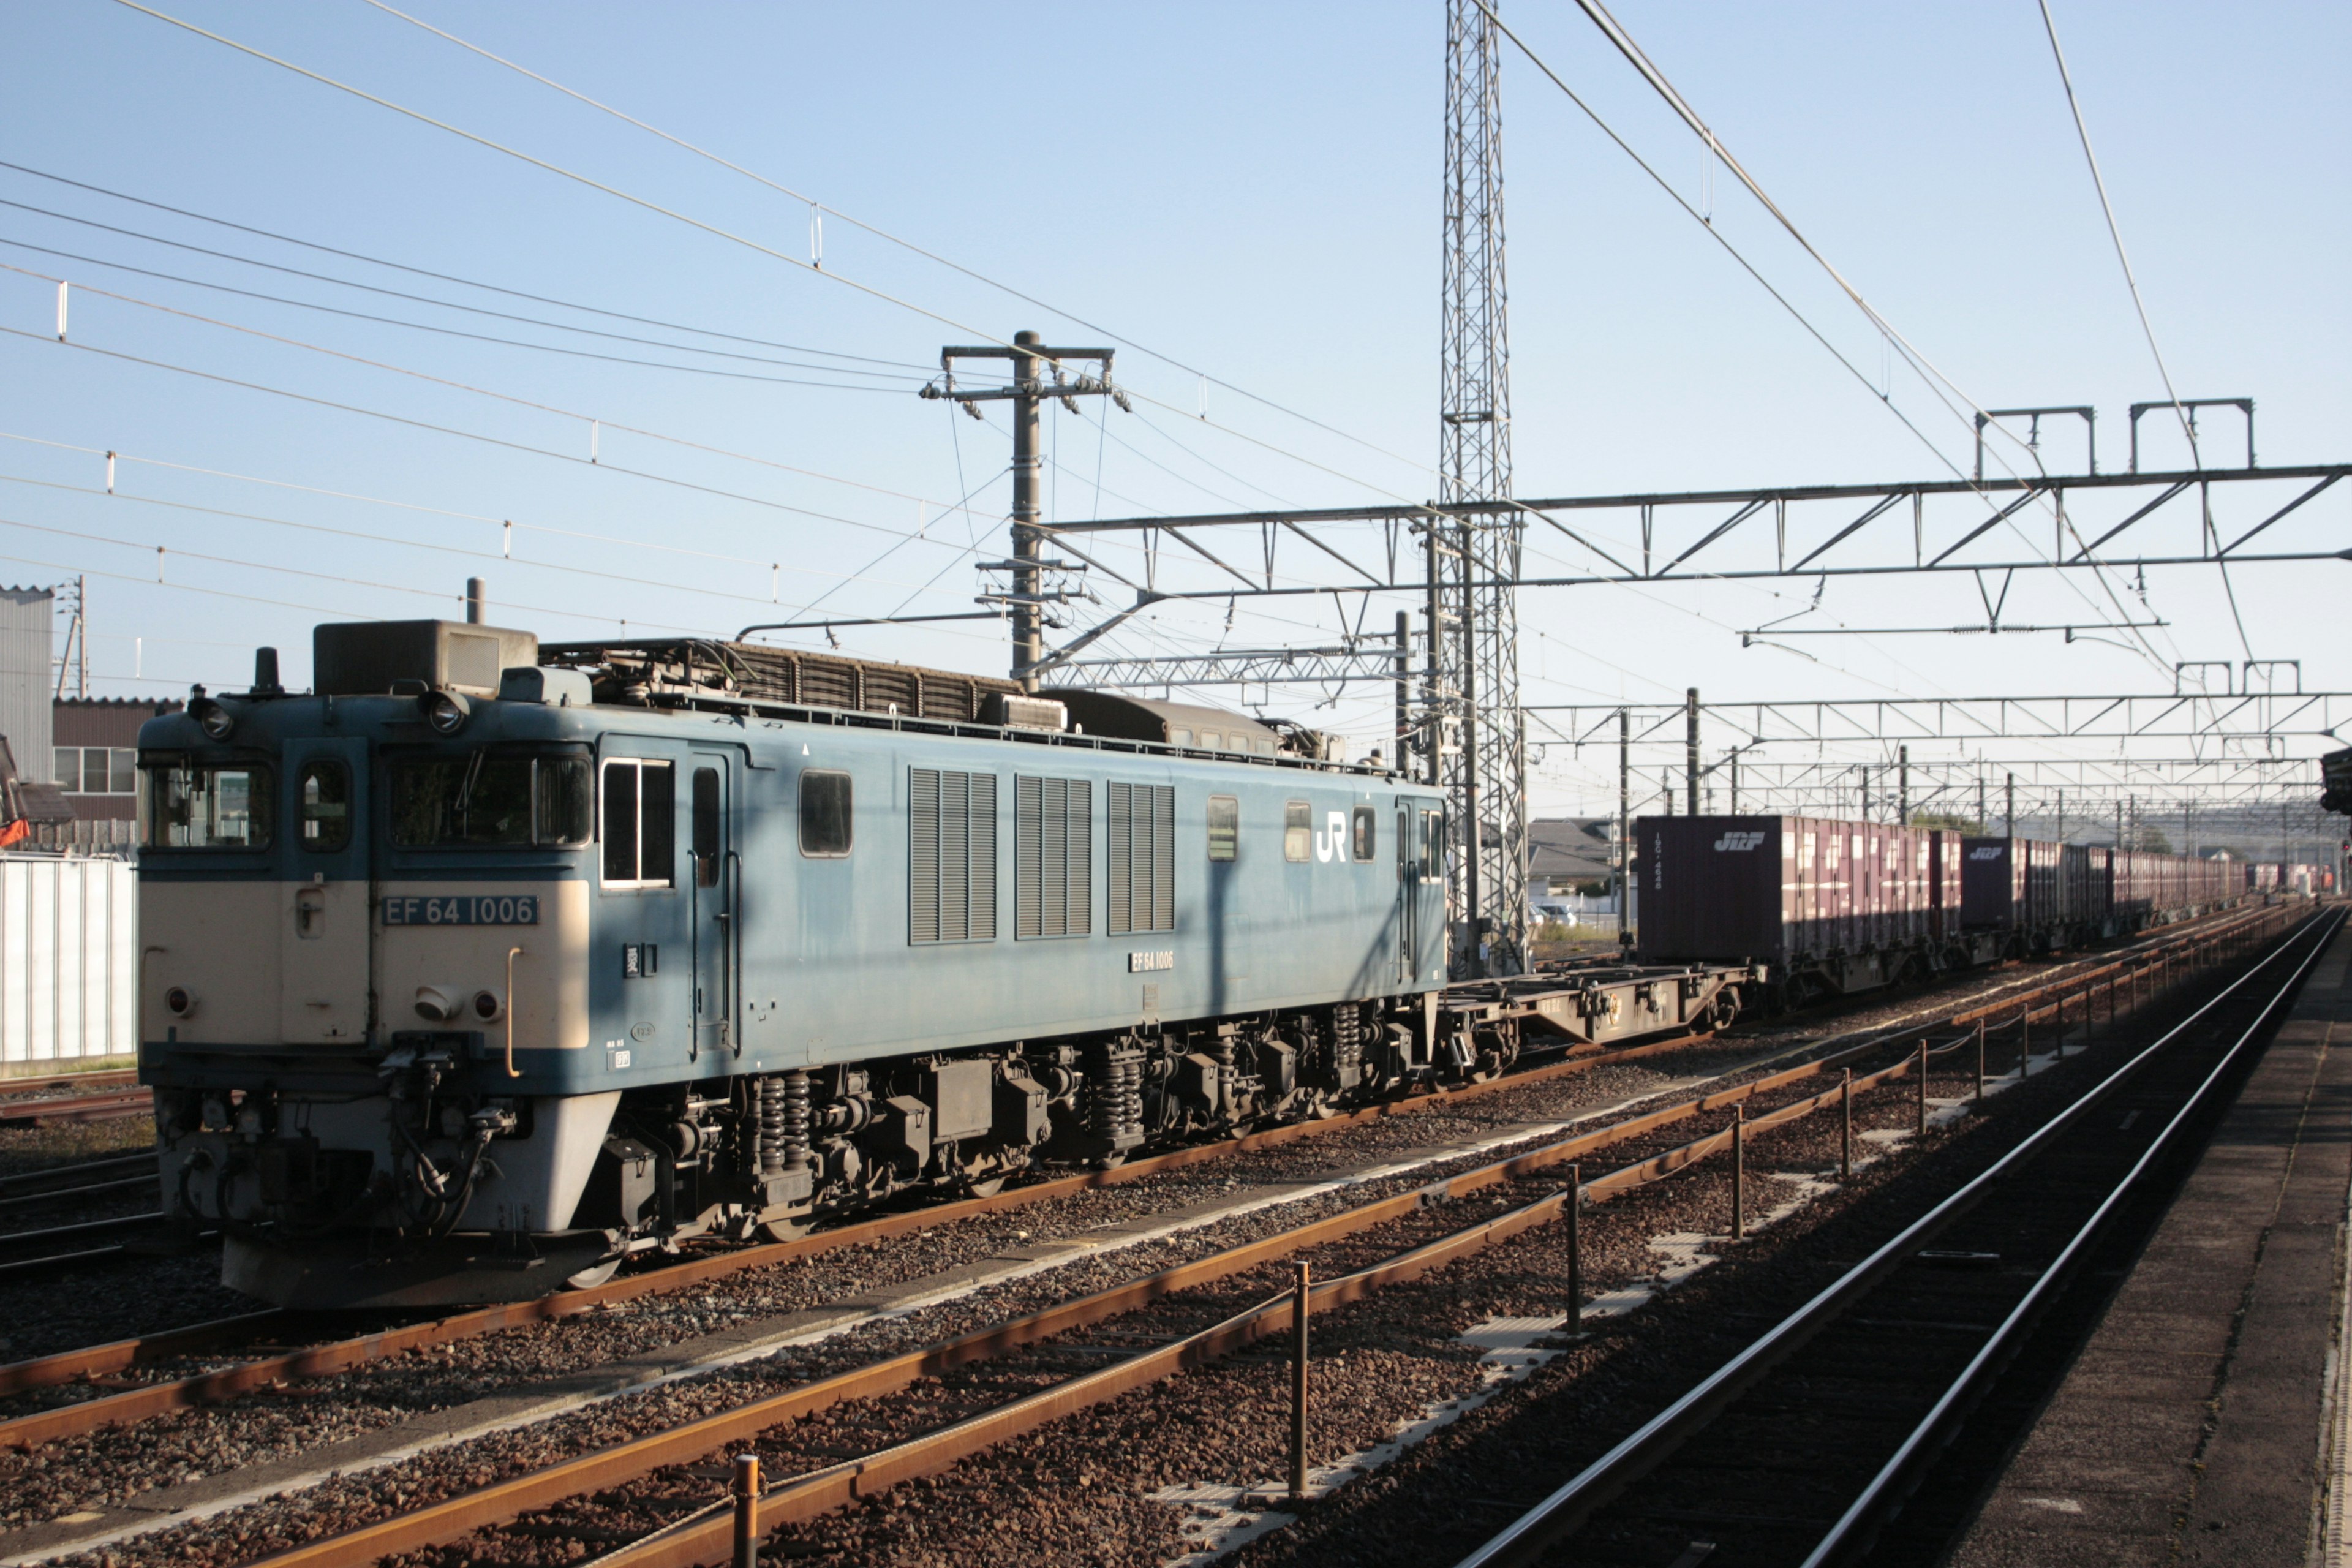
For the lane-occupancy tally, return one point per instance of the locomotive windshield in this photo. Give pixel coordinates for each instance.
(479, 799)
(207, 806)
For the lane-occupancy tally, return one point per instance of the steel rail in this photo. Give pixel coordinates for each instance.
(1875, 1503)
(37, 1181)
(63, 1194)
(700, 1537)
(111, 1106)
(327, 1360)
(146, 1401)
(1568, 1507)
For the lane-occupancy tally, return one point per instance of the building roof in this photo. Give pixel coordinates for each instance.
(1569, 850)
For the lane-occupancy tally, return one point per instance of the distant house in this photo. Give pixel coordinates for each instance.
(1567, 852)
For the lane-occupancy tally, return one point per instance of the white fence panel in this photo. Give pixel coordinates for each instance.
(68, 959)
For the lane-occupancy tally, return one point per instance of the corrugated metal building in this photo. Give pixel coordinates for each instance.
(69, 961)
(27, 682)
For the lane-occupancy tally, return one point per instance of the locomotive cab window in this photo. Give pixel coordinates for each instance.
(1368, 832)
(1225, 826)
(482, 800)
(1297, 830)
(706, 828)
(202, 807)
(1432, 846)
(640, 824)
(825, 814)
(324, 799)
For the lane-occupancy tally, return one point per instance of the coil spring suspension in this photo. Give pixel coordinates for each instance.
(796, 1120)
(1115, 1097)
(771, 1113)
(1347, 1044)
(783, 1123)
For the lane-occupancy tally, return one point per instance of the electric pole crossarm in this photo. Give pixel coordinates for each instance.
(1029, 389)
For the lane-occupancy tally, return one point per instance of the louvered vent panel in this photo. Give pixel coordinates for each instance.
(1142, 859)
(922, 855)
(950, 856)
(1028, 829)
(1163, 857)
(955, 809)
(983, 840)
(1053, 857)
(1120, 914)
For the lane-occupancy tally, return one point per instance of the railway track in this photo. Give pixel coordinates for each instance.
(58, 1111)
(1868, 1381)
(119, 1387)
(80, 1181)
(983, 1366)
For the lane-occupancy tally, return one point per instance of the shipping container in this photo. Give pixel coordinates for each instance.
(1828, 905)
(1944, 861)
(1993, 881)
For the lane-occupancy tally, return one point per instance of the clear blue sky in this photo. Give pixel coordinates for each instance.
(1249, 190)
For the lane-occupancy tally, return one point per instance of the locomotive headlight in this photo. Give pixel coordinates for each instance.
(488, 1006)
(179, 1000)
(445, 711)
(213, 718)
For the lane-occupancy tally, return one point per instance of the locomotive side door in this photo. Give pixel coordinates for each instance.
(1408, 895)
(715, 873)
(325, 926)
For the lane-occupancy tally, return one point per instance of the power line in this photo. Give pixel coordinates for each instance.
(457, 332)
(1921, 366)
(424, 272)
(633, 579)
(2139, 305)
(430, 510)
(710, 228)
(908, 244)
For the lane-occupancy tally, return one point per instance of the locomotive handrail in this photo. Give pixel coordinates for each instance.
(512, 954)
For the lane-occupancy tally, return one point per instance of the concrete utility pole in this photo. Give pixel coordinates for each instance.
(1903, 786)
(1624, 827)
(2008, 828)
(1030, 359)
(1473, 556)
(1690, 750)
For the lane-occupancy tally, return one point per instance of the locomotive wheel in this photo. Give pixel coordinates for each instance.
(987, 1189)
(785, 1229)
(595, 1274)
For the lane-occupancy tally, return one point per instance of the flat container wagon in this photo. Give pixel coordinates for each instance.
(1825, 906)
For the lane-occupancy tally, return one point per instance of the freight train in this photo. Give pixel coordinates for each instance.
(486, 963)
(1828, 908)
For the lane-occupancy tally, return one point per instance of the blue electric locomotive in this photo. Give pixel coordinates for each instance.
(484, 964)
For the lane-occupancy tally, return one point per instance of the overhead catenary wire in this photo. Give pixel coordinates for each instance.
(175, 20)
(1921, 366)
(2139, 304)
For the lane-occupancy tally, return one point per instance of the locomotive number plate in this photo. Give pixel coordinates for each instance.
(1151, 962)
(462, 910)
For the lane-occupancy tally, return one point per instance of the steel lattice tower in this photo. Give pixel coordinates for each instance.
(1474, 666)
